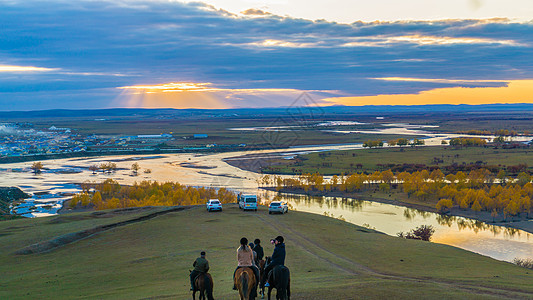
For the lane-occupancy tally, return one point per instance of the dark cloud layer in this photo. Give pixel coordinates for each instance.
(99, 45)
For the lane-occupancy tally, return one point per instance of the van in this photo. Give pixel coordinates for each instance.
(248, 202)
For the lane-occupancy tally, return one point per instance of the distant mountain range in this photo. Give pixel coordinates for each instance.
(293, 110)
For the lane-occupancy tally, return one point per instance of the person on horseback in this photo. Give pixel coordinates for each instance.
(278, 257)
(245, 258)
(259, 250)
(254, 261)
(201, 265)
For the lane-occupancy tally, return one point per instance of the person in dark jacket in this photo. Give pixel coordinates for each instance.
(278, 257)
(259, 250)
(201, 265)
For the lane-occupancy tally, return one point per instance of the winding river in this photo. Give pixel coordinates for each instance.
(62, 176)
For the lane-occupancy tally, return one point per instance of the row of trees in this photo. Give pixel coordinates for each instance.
(109, 194)
(470, 141)
(112, 167)
(104, 167)
(499, 132)
(479, 190)
(404, 142)
(395, 142)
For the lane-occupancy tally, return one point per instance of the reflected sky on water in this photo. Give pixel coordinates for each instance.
(495, 241)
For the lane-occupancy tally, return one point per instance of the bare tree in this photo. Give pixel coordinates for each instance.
(94, 168)
(135, 168)
(112, 167)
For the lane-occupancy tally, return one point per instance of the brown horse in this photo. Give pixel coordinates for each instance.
(261, 275)
(245, 282)
(204, 284)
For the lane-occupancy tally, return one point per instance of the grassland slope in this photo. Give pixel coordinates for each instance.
(328, 258)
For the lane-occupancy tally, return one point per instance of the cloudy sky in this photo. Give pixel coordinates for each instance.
(247, 53)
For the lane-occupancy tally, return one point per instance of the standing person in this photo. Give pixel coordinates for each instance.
(278, 257)
(201, 265)
(245, 257)
(259, 250)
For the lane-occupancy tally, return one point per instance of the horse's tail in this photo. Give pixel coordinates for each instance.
(245, 284)
(289, 286)
(283, 281)
(208, 287)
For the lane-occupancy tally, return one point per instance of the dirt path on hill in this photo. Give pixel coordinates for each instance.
(354, 268)
(69, 238)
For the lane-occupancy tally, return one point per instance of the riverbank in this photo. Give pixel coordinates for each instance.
(110, 153)
(511, 222)
(147, 253)
(9, 195)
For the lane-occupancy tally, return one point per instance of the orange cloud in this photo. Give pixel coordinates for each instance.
(439, 80)
(255, 12)
(516, 91)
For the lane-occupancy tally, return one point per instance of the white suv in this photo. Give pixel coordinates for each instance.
(214, 204)
(278, 206)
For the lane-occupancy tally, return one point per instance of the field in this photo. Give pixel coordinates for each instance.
(370, 160)
(219, 131)
(328, 258)
(217, 123)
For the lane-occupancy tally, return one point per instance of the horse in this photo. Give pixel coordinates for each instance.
(204, 284)
(280, 279)
(261, 266)
(245, 282)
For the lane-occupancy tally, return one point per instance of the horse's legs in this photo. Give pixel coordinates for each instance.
(194, 295)
(269, 292)
(289, 290)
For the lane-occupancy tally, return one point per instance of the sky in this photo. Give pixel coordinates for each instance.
(244, 53)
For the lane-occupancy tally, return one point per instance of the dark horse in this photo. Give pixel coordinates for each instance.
(204, 284)
(280, 279)
(245, 282)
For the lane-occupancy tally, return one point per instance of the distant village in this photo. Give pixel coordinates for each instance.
(23, 139)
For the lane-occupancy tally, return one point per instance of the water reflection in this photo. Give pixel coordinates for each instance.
(495, 241)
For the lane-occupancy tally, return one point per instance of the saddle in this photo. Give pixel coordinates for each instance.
(270, 274)
(199, 274)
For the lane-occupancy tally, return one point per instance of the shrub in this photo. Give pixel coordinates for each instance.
(524, 262)
(423, 232)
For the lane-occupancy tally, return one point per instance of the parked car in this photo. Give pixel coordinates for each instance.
(213, 204)
(248, 202)
(278, 207)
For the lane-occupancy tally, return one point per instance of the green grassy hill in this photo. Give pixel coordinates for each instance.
(150, 258)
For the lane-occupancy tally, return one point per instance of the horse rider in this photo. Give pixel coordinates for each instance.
(254, 261)
(278, 257)
(259, 250)
(245, 258)
(201, 265)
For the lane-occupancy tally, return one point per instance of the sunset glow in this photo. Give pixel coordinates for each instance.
(195, 87)
(517, 91)
(205, 95)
